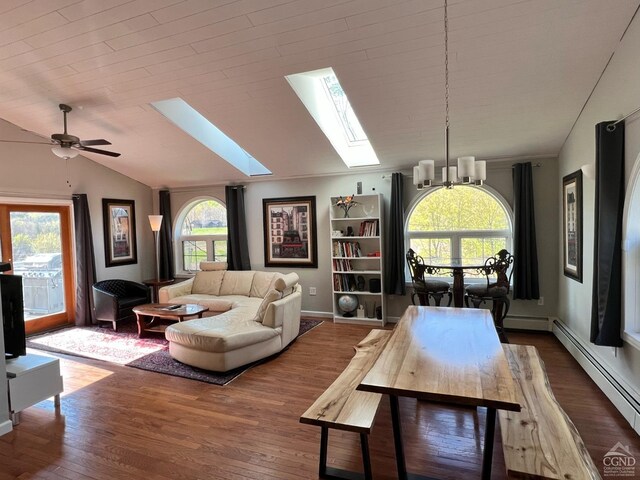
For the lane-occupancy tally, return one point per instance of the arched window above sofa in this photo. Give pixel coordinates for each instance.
(201, 233)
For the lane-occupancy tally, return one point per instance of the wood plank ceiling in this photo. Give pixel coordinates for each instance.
(520, 72)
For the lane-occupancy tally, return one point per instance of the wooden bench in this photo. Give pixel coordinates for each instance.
(540, 441)
(343, 407)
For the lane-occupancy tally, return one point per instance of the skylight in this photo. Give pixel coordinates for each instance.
(184, 116)
(323, 96)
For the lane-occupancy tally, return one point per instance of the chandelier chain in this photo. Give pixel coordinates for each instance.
(446, 64)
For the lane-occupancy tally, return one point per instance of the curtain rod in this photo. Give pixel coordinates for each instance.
(612, 126)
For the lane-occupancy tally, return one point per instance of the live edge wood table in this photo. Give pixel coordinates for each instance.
(447, 355)
(153, 317)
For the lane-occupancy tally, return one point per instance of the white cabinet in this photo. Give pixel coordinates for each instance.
(32, 379)
(357, 258)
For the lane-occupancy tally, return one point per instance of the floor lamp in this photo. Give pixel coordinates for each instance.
(156, 222)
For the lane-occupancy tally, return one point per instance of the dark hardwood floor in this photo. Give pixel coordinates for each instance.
(122, 423)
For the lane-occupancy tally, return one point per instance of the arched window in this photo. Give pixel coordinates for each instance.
(465, 222)
(201, 234)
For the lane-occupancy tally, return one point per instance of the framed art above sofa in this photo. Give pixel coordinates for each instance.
(290, 237)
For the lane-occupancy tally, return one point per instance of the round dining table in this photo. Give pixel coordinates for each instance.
(457, 268)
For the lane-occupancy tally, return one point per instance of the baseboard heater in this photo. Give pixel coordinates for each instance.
(628, 397)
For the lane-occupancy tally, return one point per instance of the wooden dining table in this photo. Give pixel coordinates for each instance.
(447, 355)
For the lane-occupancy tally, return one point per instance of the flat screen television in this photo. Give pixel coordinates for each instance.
(15, 343)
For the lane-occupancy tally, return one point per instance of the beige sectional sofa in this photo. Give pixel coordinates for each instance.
(255, 315)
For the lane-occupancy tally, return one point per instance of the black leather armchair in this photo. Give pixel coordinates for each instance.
(114, 299)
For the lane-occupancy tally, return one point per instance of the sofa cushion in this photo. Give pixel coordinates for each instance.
(262, 283)
(237, 283)
(214, 304)
(207, 266)
(286, 284)
(223, 333)
(270, 297)
(208, 282)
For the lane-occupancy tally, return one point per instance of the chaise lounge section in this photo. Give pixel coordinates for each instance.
(256, 315)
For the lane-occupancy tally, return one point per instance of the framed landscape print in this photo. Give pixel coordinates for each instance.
(572, 225)
(290, 238)
(119, 219)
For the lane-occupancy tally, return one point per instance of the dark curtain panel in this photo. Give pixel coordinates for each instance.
(85, 261)
(525, 252)
(395, 245)
(167, 269)
(237, 243)
(606, 307)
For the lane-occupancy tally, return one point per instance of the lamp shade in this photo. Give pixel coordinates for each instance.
(480, 170)
(453, 174)
(416, 176)
(466, 167)
(427, 169)
(155, 221)
(64, 152)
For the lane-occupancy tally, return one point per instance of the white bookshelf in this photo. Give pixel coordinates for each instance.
(357, 255)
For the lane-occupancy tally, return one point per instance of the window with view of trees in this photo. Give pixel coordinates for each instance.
(202, 234)
(466, 223)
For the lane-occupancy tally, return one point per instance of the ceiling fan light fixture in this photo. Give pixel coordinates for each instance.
(64, 152)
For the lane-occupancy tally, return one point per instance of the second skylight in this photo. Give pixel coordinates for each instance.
(323, 96)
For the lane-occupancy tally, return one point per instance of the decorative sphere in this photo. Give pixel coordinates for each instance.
(348, 303)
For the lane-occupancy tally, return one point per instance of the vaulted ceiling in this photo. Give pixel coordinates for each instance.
(520, 72)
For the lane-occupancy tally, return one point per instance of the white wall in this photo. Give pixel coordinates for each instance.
(546, 197)
(617, 93)
(33, 171)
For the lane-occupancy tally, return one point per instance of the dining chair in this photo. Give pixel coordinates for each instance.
(496, 291)
(425, 288)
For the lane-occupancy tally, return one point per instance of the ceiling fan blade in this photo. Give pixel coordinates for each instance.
(100, 141)
(96, 150)
(25, 141)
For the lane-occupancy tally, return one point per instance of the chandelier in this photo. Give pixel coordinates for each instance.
(469, 171)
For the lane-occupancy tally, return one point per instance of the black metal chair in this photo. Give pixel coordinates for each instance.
(495, 291)
(114, 299)
(425, 288)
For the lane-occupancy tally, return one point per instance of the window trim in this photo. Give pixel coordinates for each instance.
(456, 235)
(631, 259)
(179, 238)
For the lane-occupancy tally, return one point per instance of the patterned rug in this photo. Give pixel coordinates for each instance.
(125, 348)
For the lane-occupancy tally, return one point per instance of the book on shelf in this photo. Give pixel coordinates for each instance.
(342, 265)
(343, 248)
(369, 228)
(344, 282)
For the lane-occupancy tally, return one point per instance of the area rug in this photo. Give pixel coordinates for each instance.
(125, 348)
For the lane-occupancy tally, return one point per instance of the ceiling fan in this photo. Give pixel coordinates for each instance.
(67, 146)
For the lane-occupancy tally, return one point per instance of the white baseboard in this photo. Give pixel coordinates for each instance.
(5, 427)
(617, 390)
(526, 322)
(311, 313)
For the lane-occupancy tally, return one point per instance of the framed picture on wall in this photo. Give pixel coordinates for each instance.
(119, 217)
(572, 225)
(290, 238)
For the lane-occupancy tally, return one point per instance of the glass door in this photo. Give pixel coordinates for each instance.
(37, 242)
